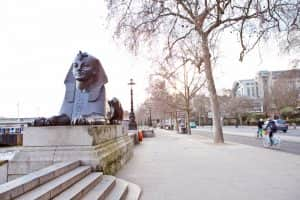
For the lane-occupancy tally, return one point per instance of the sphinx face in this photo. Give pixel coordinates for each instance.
(84, 69)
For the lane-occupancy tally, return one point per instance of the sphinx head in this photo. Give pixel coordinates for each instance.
(86, 71)
(85, 68)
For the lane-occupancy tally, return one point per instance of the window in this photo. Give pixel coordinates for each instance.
(253, 93)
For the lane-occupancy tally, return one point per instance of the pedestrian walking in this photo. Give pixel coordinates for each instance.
(260, 124)
(236, 123)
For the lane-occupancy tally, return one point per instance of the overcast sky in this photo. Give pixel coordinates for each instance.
(39, 40)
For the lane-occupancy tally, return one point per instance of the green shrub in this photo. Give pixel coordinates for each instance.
(287, 111)
(294, 120)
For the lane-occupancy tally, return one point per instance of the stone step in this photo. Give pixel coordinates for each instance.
(28, 182)
(79, 189)
(102, 189)
(119, 192)
(54, 187)
(134, 192)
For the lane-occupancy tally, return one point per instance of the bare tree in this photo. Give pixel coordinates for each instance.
(171, 21)
(145, 113)
(163, 104)
(183, 77)
(236, 106)
(201, 106)
(141, 114)
(291, 45)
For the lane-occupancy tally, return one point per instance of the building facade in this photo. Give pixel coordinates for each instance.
(246, 88)
(260, 88)
(266, 80)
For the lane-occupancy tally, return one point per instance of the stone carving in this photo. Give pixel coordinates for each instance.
(115, 114)
(84, 101)
(56, 120)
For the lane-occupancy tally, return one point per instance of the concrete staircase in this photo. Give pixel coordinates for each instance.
(69, 180)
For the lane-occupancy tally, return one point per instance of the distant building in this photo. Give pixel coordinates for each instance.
(246, 88)
(15, 121)
(14, 125)
(263, 81)
(266, 79)
(260, 88)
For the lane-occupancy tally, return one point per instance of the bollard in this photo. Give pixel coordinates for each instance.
(140, 136)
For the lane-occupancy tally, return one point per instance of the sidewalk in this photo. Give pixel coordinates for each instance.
(172, 166)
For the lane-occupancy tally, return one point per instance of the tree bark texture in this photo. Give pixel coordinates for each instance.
(218, 132)
(188, 116)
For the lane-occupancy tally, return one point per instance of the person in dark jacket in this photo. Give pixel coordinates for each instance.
(260, 124)
(271, 128)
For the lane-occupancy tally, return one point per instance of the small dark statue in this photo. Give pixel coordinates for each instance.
(84, 101)
(115, 115)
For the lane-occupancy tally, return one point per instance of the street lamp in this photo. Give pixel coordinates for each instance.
(132, 123)
(150, 118)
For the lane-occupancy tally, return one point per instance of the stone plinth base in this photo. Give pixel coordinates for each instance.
(104, 147)
(71, 135)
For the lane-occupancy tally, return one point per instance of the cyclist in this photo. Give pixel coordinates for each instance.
(271, 128)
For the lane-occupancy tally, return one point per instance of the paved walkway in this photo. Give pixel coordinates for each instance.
(172, 166)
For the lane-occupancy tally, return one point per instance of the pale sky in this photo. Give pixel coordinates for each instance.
(39, 40)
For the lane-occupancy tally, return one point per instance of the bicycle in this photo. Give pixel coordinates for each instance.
(259, 133)
(275, 141)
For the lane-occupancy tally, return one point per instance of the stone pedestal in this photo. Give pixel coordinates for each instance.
(71, 135)
(104, 147)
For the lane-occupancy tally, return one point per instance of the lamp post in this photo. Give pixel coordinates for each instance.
(132, 123)
(150, 120)
(150, 116)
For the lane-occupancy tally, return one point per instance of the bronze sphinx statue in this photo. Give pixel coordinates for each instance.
(115, 114)
(84, 101)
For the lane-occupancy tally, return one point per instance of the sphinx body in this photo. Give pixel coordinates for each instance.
(84, 100)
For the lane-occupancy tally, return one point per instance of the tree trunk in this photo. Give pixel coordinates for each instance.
(240, 120)
(188, 124)
(172, 120)
(188, 111)
(176, 121)
(218, 132)
(188, 127)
